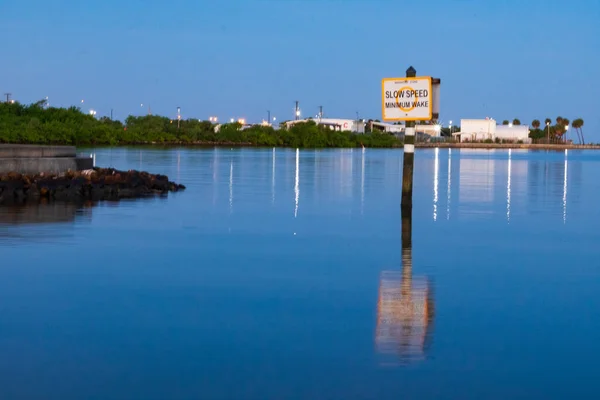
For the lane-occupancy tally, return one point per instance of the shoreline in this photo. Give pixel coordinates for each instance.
(508, 146)
(423, 145)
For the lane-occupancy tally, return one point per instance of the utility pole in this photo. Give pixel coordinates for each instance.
(111, 114)
(409, 156)
(320, 113)
(269, 117)
(8, 97)
(297, 113)
(178, 116)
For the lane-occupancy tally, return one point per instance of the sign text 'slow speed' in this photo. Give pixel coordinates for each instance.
(406, 99)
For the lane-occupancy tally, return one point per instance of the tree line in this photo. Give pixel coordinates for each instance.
(552, 132)
(38, 124)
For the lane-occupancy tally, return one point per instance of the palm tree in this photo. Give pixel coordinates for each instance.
(559, 131)
(565, 123)
(559, 120)
(505, 122)
(516, 121)
(547, 122)
(577, 125)
(535, 124)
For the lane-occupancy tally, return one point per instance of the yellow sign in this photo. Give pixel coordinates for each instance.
(406, 99)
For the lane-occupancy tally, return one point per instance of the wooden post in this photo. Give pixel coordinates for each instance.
(409, 156)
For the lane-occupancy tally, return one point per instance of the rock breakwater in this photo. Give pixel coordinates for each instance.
(93, 184)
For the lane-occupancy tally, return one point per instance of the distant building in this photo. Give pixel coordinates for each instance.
(386, 127)
(362, 126)
(513, 133)
(477, 130)
(337, 124)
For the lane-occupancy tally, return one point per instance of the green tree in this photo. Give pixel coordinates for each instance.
(505, 122)
(516, 121)
(565, 122)
(577, 125)
(535, 124)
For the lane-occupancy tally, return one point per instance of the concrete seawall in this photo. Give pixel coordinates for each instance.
(32, 159)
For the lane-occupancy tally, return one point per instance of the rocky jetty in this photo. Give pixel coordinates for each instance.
(92, 184)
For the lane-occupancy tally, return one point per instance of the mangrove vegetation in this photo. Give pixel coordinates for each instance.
(38, 124)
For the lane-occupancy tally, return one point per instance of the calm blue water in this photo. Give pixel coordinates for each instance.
(280, 275)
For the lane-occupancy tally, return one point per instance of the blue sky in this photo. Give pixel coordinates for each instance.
(234, 58)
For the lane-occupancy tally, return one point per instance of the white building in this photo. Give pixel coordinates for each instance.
(338, 124)
(387, 127)
(359, 126)
(513, 133)
(473, 130)
(431, 130)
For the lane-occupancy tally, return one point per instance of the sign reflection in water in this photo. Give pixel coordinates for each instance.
(405, 308)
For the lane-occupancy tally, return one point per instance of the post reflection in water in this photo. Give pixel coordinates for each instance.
(405, 308)
(436, 171)
(297, 182)
(565, 188)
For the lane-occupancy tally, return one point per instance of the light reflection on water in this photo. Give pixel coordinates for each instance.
(285, 273)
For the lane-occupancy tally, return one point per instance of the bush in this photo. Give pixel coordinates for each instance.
(36, 124)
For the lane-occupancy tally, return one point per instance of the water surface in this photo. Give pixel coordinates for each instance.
(284, 274)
